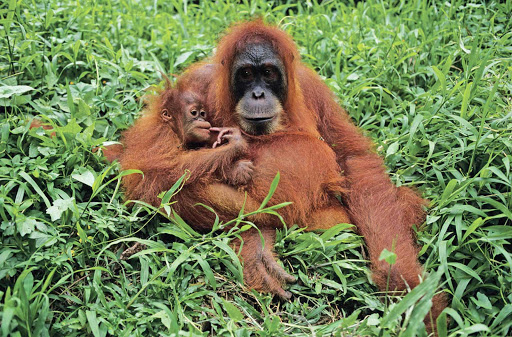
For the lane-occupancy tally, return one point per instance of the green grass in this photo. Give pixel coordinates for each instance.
(430, 82)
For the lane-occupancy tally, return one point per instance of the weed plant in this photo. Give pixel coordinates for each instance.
(430, 81)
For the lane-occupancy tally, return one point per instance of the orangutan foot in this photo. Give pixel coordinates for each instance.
(261, 270)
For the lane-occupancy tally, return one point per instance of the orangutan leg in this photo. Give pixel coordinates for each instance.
(327, 217)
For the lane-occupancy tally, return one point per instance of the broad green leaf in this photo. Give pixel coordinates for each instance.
(482, 301)
(26, 225)
(60, 206)
(183, 58)
(84, 176)
(93, 322)
(232, 311)
(448, 191)
(7, 91)
(392, 149)
(388, 256)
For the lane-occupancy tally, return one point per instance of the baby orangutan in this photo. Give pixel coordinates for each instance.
(196, 132)
(173, 136)
(189, 119)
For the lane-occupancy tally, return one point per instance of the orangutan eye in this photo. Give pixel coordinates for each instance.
(193, 113)
(246, 74)
(202, 113)
(270, 74)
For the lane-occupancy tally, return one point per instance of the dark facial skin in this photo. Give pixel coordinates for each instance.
(258, 83)
(192, 116)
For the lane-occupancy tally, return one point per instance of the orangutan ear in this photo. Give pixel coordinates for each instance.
(166, 115)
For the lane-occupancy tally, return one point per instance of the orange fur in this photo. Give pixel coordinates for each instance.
(156, 146)
(111, 152)
(309, 173)
(383, 213)
(310, 169)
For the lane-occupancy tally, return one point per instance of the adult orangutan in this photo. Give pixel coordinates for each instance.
(259, 84)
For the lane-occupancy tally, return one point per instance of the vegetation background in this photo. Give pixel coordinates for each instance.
(430, 81)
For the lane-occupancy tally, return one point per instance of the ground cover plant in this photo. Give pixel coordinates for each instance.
(429, 81)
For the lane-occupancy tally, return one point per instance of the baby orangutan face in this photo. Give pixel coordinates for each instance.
(190, 123)
(196, 129)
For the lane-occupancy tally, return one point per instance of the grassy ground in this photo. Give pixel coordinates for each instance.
(430, 82)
